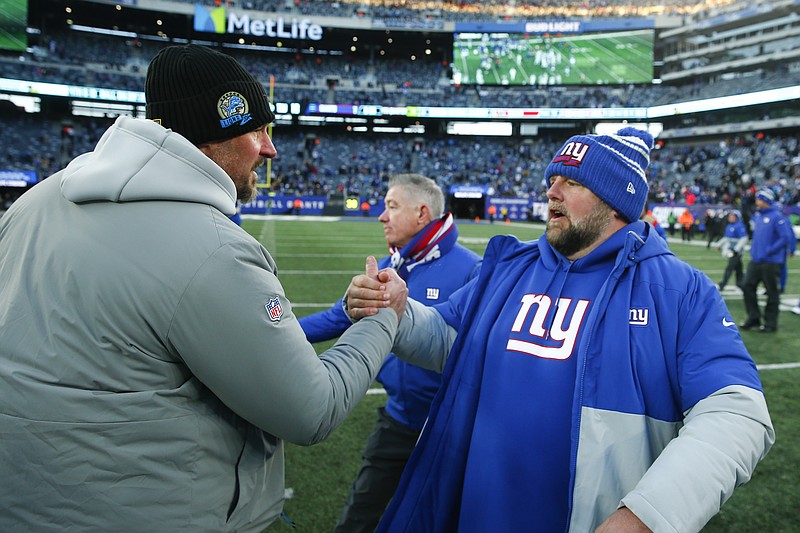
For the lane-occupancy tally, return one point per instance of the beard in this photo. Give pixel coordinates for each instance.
(228, 159)
(246, 193)
(246, 190)
(581, 234)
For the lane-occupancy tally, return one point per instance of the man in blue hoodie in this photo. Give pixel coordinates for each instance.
(772, 237)
(424, 251)
(592, 381)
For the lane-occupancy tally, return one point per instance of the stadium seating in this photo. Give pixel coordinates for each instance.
(338, 161)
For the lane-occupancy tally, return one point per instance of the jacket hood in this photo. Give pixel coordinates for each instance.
(642, 242)
(139, 160)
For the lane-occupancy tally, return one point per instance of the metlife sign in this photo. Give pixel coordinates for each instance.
(218, 20)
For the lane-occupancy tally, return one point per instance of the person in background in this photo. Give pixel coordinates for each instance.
(790, 250)
(686, 220)
(647, 216)
(732, 245)
(592, 381)
(672, 220)
(424, 250)
(151, 366)
(715, 227)
(772, 236)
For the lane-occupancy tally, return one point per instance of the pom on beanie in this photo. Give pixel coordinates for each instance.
(766, 195)
(611, 166)
(203, 94)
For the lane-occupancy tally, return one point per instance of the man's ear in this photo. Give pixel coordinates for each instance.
(424, 216)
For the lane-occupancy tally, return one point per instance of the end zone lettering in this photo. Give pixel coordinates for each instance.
(303, 29)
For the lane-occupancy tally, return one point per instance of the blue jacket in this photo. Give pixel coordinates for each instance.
(735, 237)
(655, 353)
(735, 230)
(772, 236)
(410, 389)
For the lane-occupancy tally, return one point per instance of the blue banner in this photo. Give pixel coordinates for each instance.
(17, 178)
(266, 204)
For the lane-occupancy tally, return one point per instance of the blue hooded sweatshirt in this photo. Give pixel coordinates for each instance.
(772, 236)
(565, 384)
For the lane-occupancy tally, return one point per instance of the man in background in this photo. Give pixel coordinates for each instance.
(151, 366)
(732, 246)
(424, 250)
(772, 237)
(592, 381)
(686, 220)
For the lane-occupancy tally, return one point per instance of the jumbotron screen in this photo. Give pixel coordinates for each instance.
(620, 57)
(13, 23)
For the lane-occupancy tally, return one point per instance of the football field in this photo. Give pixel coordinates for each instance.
(316, 259)
(13, 21)
(585, 59)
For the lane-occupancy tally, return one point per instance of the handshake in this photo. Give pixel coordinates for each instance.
(374, 290)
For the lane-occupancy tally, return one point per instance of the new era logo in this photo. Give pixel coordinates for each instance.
(631, 189)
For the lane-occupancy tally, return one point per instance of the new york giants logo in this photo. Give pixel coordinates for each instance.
(539, 305)
(274, 309)
(572, 155)
(639, 317)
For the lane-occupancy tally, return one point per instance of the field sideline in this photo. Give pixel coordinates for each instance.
(316, 259)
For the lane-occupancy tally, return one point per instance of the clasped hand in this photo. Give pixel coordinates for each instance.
(374, 290)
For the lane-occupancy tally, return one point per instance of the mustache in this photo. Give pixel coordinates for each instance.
(555, 206)
(259, 163)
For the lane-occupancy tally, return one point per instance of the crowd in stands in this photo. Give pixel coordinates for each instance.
(412, 11)
(359, 164)
(119, 63)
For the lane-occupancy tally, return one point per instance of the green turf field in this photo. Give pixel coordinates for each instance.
(585, 59)
(316, 261)
(13, 21)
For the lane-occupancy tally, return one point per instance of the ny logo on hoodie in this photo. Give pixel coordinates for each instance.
(539, 306)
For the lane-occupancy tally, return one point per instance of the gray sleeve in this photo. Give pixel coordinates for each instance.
(723, 438)
(740, 245)
(423, 337)
(259, 363)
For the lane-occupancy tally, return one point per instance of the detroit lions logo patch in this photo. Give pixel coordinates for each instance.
(233, 109)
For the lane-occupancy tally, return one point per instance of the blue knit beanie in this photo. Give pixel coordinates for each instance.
(766, 195)
(611, 166)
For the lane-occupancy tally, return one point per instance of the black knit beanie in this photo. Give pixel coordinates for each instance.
(204, 95)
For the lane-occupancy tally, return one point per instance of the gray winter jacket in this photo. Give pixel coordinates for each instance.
(150, 363)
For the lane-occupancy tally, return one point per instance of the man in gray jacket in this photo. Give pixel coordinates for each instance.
(150, 364)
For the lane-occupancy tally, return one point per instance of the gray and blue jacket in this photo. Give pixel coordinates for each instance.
(665, 413)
